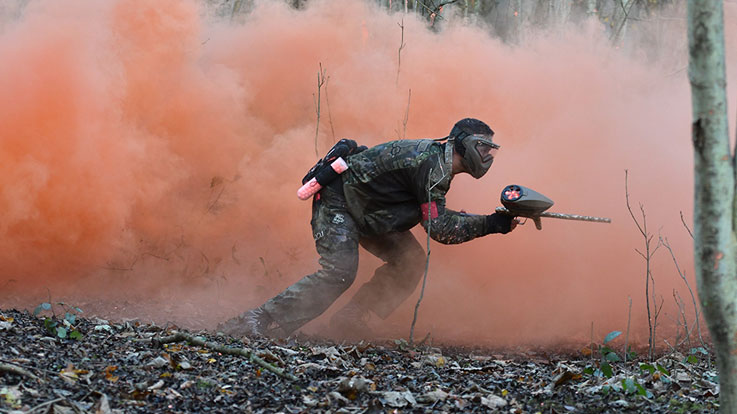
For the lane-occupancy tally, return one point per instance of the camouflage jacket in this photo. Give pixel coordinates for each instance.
(386, 186)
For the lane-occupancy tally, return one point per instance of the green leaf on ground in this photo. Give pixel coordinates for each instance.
(606, 369)
(699, 350)
(628, 384)
(42, 307)
(647, 368)
(612, 357)
(70, 317)
(611, 335)
(642, 391)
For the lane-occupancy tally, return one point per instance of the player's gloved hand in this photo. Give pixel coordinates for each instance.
(500, 223)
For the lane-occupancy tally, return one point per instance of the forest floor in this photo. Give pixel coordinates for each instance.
(67, 364)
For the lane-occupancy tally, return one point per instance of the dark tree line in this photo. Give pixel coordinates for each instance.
(511, 19)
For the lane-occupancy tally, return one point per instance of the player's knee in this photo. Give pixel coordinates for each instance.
(413, 259)
(342, 272)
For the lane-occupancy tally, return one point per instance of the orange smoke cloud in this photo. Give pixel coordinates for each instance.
(153, 150)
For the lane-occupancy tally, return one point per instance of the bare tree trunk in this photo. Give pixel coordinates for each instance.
(558, 13)
(714, 187)
(591, 8)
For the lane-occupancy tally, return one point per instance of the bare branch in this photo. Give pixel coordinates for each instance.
(244, 352)
(627, 199)
(627, 334)
(406, 116)
(15, 369)
(626, 11)
(682, 274)
(321, 79)
(682, 312)
(330, 113)
(427, 260)
(686, 225)
(399, 52)
(652, 313)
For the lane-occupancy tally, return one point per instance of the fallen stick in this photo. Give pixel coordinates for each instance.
(194, 340)
(46, 404)
(15, 369)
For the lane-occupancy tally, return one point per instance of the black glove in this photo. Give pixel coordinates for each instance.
(499, 223)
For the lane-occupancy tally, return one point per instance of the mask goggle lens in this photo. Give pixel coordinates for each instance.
(487, 151)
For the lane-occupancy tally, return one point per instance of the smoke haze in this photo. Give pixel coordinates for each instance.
(150, 153)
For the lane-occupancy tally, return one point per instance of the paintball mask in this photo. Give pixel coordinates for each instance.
(478, 153)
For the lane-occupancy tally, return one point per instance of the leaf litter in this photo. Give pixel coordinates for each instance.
(128, 367)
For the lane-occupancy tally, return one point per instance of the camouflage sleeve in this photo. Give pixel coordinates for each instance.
(453, 227)
(446, 226)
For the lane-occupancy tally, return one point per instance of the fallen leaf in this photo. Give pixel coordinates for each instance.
(11, 395)
(493, 401)
(433, 396)
(103, 406)
(158, 362)
(563, 377)
(109, 373)
(156, 386)
(335, 396)
(398, 399)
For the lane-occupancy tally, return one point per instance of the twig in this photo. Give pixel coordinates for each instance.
(673, 350)
(626, 12)
(658, 309)
(399, 52)
(678, 323)
(648, 273)
(244, 352)
(403, 135)
(330, 113)
(665, 243)
(427, 257)
(406, 115)
(47, 403)
(321, 79)
(15, 369)
(627, 334)
(682, 315)
(686, 225)
(422, 342)
(427, 261)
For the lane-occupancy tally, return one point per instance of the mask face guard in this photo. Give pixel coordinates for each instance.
(479, 154)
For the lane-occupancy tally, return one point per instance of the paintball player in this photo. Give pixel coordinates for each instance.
(387, 190)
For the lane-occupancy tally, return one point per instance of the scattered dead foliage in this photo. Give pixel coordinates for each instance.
(127, 367)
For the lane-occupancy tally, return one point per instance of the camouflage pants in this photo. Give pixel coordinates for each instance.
(337, 238)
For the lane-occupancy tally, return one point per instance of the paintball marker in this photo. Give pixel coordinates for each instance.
(521, 201)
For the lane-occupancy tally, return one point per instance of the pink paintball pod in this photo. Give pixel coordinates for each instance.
(313, 186)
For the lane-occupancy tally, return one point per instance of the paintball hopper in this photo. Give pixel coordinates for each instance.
(521, 201)
(525, 201)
